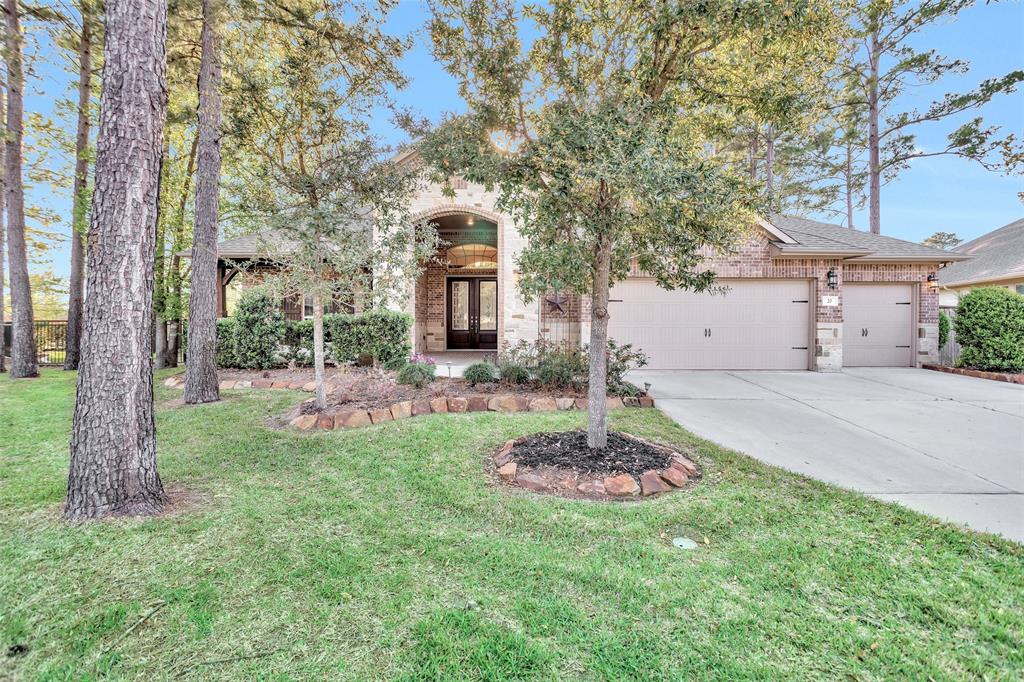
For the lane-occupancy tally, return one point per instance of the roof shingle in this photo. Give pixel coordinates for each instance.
(994, 256)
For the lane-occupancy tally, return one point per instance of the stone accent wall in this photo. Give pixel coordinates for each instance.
(519, 320)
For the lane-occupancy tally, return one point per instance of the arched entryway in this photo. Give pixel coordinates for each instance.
(458, 295)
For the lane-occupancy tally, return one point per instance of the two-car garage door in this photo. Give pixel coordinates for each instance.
(754, 324)
(758, 324)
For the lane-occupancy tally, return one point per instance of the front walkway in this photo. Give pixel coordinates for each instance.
(946, 445)
(460, 360)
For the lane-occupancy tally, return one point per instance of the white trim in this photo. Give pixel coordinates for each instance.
(775, 232)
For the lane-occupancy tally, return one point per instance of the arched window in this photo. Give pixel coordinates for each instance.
(478, 256)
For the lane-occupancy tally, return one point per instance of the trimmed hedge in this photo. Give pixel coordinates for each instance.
(989, 326)
(298, 341)
(226, 343)
(258, 330)
(381, 336)
(943, 329)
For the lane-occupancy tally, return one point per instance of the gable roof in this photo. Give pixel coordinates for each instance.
(994, 256)
(816, 238)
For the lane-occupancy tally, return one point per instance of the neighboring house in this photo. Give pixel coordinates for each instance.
(800, 294)
(997, 260)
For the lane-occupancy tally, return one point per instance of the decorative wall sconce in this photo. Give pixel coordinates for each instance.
(833, 279)
(933, 281)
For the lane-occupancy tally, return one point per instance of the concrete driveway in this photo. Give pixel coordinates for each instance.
(946, 445)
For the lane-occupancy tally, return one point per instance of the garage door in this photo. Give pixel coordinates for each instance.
(756, 324)
(877, 325)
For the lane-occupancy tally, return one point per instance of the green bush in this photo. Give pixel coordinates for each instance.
(513, 374)
(380, 335)
(943, 329)
(561, 366)
(226, 343)
(990, 329)
(417, 374)
(258, 330)
(480, 373)
(621, 359)
(297, 341)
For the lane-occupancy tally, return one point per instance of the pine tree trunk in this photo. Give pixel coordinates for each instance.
(849, 186)
(201, 366)
(319, 370)
(23, 343)
(597, 389)
(174, 272)
(79, 219)
(874, 170)
(769, 162)
(160, 269)
(3, 230)
(113, 446)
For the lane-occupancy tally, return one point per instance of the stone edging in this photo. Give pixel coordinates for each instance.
(677, 474)
(979, 374)
(350, 418)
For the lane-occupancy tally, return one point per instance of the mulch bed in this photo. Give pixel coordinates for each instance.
(569, 450)
(979, 374)
(561, 463)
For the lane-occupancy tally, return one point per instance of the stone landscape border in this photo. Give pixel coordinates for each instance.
(680, 472)
(979, 374)
(347, 418)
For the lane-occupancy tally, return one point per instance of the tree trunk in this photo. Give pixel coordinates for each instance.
(23, 343)
(753, 158)
(174, 272)
(201, 366)
(597, 383)
(874, 170)
(113, 446)
(769, 161)
(3, 229)
(319, 371)
(159, 268)
(79, 219)
(849, 185)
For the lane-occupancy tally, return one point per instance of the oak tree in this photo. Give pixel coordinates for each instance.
(606, 107)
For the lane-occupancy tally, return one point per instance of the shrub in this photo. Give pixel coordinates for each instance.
(561, 366)
(943, 329)
(258, 329)
(226, 343)
(381, 335)
(417, 374)
(480, 373)
(621, 359)
(297, 341)
(513, 374)
(990, 328)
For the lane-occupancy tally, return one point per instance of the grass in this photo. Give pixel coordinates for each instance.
(384, 553)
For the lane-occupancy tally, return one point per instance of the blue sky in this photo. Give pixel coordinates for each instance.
(941, 193)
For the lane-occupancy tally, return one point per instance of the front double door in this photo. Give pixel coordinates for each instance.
(472, 313)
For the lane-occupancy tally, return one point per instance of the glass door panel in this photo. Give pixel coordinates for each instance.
(488, 306)
(460, 305)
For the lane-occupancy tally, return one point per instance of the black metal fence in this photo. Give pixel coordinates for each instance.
(51, 341)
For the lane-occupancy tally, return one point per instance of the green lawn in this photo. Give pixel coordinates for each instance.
(384, 553)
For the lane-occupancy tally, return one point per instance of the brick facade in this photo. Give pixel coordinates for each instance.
(520, 320)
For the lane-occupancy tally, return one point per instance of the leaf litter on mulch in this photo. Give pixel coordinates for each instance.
(569, 450)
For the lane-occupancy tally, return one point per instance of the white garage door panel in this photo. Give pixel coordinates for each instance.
(756, 324)
(877, 329)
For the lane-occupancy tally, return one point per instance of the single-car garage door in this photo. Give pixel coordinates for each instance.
(877, 325)
(756, 324)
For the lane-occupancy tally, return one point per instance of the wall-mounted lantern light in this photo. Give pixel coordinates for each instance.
(833, 279)
(933, 281)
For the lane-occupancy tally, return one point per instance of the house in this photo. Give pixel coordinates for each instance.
(798, 294)
(997, 260)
